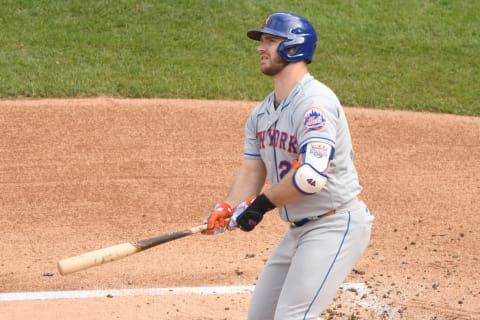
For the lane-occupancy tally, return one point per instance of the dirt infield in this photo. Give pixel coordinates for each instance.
(82, 174)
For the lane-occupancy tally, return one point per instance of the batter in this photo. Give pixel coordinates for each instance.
(299, 139)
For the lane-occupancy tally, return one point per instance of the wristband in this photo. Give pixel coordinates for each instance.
(253, 214)
(261, 204)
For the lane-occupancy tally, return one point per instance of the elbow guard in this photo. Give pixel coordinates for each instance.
(312, 166)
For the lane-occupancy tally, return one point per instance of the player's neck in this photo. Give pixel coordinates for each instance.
(286, 80)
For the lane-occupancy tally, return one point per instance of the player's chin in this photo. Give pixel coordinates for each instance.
(265, 71)
(266, 68)
(269, 70)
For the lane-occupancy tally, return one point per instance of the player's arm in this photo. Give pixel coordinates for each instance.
(249, 181)
(308, 177)
(284, 192)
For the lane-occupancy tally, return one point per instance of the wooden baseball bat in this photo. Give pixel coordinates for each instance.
(93, 258)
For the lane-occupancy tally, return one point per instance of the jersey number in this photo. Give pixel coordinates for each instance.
(284, 167)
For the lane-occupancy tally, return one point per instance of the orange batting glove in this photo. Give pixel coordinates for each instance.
(217, 221)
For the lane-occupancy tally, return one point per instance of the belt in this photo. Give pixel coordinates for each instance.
(300, 223)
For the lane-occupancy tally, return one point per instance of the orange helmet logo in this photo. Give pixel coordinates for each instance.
(266, 20)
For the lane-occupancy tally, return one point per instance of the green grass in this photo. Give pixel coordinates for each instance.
(417, 55)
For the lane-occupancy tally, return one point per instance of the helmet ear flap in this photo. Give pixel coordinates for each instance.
(292, 50)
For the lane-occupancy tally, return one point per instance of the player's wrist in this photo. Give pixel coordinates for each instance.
(261, 204)
(253, 214)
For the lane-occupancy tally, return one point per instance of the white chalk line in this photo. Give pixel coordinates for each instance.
(361, 295)
(82, 294)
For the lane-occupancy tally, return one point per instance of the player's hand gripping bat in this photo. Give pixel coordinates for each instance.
(118, 251)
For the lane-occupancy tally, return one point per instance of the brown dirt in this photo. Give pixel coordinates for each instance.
(81, 174)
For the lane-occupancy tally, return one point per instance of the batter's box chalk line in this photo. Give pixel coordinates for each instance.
(360, 295)
(82, 294)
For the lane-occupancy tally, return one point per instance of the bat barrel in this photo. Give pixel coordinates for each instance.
(104, 255)
(96, 257)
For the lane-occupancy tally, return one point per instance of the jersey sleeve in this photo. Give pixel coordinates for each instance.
(251, 149)
(315, 119)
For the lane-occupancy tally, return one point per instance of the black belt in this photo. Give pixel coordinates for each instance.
(300, 223)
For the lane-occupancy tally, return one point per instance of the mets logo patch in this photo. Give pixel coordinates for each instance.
(314, 119)
(265, 21)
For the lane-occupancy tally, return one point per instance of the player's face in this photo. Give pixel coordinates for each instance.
(270, 61)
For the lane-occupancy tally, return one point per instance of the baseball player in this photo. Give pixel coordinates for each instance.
(299, 138)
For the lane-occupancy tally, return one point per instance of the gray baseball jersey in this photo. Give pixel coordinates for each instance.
(305, 270)
(277, 134)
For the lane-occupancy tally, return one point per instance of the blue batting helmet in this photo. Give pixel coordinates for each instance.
(300, 37)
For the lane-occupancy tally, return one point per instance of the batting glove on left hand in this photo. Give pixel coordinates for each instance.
(239, 209)
(250, 212)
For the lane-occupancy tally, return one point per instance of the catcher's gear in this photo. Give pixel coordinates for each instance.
(312, 166)
(249, 213)
(217, 220)
(300, 36)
